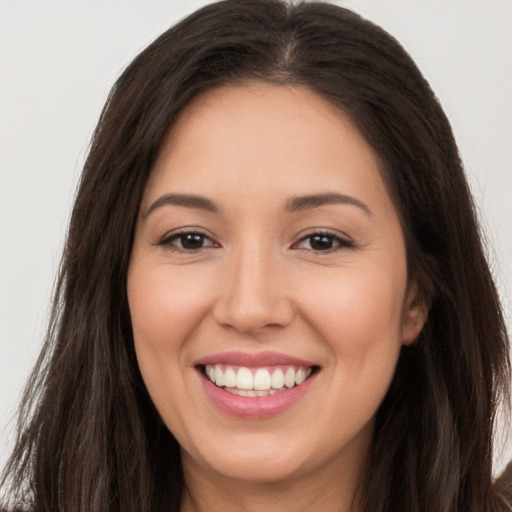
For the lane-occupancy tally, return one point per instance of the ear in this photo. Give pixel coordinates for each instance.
(415, 314)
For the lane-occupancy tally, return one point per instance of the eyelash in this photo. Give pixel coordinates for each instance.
(167, 241)
(333, 238)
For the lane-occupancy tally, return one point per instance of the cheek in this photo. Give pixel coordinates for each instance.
(366, 304)
(359, 315)
(164, 306)
(359, 319)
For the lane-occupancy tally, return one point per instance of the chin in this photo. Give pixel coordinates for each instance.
(253, 458)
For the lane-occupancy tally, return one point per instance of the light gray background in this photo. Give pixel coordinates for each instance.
(58, 60)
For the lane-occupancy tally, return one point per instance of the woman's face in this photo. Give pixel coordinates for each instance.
(268, 250)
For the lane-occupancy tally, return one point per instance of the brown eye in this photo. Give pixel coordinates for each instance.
(191, 240)
(187, 241)
(322, 242)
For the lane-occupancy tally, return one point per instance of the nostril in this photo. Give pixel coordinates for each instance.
(252, 317)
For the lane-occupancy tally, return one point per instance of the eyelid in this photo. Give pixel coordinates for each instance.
(343, 241)
(166, 240)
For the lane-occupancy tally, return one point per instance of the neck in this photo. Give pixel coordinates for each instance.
(332, 489)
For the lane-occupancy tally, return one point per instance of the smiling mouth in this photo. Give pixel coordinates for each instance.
(256, 382)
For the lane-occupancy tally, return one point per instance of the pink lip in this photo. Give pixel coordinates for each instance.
(255, 407)
(252, 360)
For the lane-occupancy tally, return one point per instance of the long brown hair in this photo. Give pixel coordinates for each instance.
(89, 436)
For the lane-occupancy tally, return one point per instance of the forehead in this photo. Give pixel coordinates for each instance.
(257, 137)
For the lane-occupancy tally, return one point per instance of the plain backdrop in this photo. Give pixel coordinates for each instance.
(58, 60)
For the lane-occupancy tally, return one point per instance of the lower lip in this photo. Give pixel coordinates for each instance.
(257, 407)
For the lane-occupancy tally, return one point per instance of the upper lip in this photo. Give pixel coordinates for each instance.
(252, 360)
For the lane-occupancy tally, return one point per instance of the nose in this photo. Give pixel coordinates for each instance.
(253, 294)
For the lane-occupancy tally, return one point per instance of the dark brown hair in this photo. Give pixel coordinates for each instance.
(89, 437)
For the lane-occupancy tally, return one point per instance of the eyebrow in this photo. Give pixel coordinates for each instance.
(186, 200)
(316, 200)
(295, 204)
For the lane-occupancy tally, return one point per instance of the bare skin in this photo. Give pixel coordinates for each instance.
(290, 244)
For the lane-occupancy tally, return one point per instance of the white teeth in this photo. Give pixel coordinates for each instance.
(289, 378)
(277, 379)
(219, 376)
(230, 378)
(300, 376)
(250, 392)
(244, 379)
(262, 380)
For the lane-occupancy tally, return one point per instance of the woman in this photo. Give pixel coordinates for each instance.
(274, 294)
